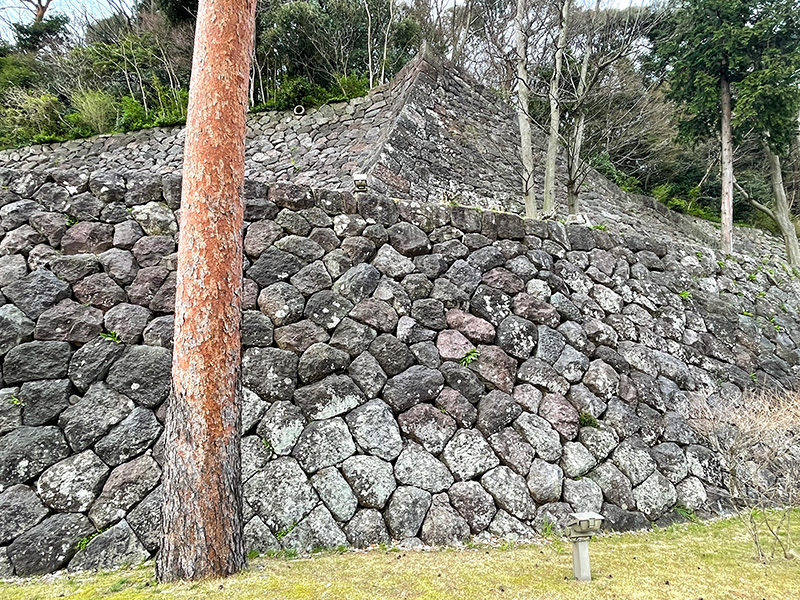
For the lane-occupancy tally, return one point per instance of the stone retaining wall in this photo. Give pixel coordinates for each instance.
(417, 372)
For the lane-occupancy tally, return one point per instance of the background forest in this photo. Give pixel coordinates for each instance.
(609, 69)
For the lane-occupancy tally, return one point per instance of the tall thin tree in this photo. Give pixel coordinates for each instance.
(549, 196)
(523, 111)
(201, 532)
(733, 66)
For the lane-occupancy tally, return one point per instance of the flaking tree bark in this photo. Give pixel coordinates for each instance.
(781, 211)
(549, 195)
(726, 134)
(576, 135)
(523, 114)
(783, 208)
(201, 533)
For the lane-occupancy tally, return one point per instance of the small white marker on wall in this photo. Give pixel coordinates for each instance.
(360, 182)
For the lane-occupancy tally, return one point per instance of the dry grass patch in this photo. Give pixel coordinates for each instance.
(709, 561)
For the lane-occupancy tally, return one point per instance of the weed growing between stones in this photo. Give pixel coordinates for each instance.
(687, 513)
(587, 420)
(470, 357)
(84, 542)
(111, 335)
(284, 532)
(685, 295)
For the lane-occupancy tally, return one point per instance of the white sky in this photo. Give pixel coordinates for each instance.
(15, 11)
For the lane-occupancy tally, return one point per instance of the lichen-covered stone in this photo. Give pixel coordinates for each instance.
(632, 457)
(406, 511)
(281, 427)
(323, 444)
(510, 492)
(616, 487)
(50, 545)
(335, 493)
(517, 336)
(27, 451)
(280, 494)
(428, 426)
(443, 526)
(282, 303)
(371, 479)
(537, 372)
(576, 460)
(540, 435)
(513, 450)
(368, 374)
(600, 440)
(334, 395)
(691, 494)
(375, 430)
(671, 461)
(545, 481)
(654, 496)
(367, 528)
(318, 531)
(72, 484)
(419, 468)
(112, 549)
(270, 372)
(468, 455)
(21, 509)
(583, 495)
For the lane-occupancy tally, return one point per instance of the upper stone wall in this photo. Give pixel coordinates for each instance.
(325, 146)
(433, 135)
(411, 371)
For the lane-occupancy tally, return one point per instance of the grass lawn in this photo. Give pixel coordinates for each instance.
(708, 561)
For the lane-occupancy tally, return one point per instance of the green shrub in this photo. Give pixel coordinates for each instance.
(31, 117)
(627, 183)
(132, 115)
(96, 110)
(353, 86)
(294, 91)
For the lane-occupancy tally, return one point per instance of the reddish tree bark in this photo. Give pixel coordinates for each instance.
(201, 533)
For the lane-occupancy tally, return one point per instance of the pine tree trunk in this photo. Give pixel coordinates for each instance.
(549, 199)
(523, 100)
(201, 533)
(783, 215)
(727, 168)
